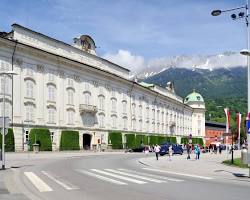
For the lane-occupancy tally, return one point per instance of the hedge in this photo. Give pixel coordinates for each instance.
(153, 140)
(195, 140)
(42, 137)
(9, 141)
(130, 140)
(69, 140)
(115, 139)
(139, 140)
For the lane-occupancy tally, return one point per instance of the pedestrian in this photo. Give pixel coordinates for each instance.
(157, 150)
(146, 150)
(170, 152)
(188, 151)
(197, 152)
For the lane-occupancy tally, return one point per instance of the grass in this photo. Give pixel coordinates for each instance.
(237, 163)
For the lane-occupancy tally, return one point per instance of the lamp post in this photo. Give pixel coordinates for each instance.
(246, 52)
(4, 73)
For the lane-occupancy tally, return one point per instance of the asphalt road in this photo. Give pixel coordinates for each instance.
(114, 177)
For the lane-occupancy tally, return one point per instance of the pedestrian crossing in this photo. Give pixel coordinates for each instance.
(43, 180)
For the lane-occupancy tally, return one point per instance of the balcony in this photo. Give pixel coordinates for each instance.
(84, 108)
(172, 123)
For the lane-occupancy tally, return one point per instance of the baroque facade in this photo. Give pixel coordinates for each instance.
(60, 86)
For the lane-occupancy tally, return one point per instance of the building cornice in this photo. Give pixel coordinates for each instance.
(91, 68)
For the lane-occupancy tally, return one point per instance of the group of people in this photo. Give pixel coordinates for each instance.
(197, 151)
(157, 149)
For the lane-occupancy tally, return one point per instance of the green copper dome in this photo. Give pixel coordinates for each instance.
(194, 97)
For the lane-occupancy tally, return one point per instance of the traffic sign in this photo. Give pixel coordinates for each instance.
(7, 123)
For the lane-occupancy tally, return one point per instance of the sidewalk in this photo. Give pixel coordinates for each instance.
(209, 165)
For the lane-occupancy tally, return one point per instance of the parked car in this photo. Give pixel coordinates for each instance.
(140, 149)
(177, 149)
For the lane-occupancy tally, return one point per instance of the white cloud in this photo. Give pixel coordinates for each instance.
(126, 59)
(138, 65)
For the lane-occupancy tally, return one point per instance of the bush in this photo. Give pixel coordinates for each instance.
(184, 140)
(139, 140)
(162, 139)
(69, 140)
(195, 140)
(153, 140)
(130, 140)
(42, 137)
(115, 138)
(9, 141)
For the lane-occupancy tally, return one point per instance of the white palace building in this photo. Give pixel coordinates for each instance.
(60, 86)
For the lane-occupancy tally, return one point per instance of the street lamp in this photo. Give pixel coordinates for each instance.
(4, 73)
(246, 52)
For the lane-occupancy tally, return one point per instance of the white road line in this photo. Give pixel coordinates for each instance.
(136, 176)
(102, 177)
(61, 182)
(118, 176)
(152, 175)
(181, 174)
(37, 182)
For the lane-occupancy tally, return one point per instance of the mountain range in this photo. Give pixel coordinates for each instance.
(217, 83)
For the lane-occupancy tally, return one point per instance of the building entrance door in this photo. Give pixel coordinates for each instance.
(86, 141)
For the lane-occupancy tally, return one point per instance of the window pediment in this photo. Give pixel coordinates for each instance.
(30, 78)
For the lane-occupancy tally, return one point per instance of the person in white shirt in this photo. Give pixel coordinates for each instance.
(157, 150)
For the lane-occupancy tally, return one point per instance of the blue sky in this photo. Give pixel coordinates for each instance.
(143, 29)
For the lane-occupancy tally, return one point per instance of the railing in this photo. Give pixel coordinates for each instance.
(84, 108)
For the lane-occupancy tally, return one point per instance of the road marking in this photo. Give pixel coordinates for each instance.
(118, 176)
(136, 176)
(37, 182)
(152, 175)
(67, 186)
(102, 177)
(176, 173)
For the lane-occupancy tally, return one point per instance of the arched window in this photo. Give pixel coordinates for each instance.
(29, 109)
(114, 121)
(70, 96)
(71, 114)
(101, 102)
(113, 104)
(52, 93)
(51, 115)
(30, 88)
(125, 123)
(124, 107)
(87, 98)
(101, 120)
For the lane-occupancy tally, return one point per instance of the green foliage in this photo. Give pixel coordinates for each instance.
(153, 140)
(197, 141)
(9, 141)
(184, 140)
(69, 140)
(237, 163)
(139, 140)
(130, 140)
(42, 137)
(115, 138)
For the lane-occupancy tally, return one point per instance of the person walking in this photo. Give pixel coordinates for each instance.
(157, 150)
(170, 152)
(188, 151)
(197, 152)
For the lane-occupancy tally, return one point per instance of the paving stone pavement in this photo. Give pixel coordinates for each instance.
(208, 165)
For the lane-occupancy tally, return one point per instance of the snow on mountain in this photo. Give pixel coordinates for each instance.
(226, 60)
